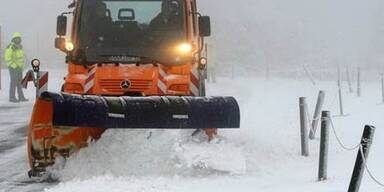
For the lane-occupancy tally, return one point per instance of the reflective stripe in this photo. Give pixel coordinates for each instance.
(194, 90)
(14, 58)
(161, 85)
(194, 83)
(29, 76)
(90, 81)
(162, 72)
(43, 83)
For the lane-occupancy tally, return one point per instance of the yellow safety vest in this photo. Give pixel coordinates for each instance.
(14, 58)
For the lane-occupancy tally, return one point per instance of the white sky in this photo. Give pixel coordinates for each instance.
(251, 33)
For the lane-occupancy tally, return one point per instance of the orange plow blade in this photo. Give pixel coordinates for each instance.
(46, 142)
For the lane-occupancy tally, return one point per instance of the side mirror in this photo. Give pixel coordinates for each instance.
(61, 28)
(204, 26)
(60, 43)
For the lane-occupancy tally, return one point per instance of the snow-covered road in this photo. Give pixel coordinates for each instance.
(13, 158)
(262, 156)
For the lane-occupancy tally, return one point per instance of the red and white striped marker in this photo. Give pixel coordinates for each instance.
(161, 85)
(42, 84)
(90, 81)
(194, 83)
(29, 76)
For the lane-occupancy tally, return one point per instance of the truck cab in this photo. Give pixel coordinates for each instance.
(134, 47)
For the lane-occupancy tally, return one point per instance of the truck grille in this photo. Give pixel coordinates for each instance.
(113, 85)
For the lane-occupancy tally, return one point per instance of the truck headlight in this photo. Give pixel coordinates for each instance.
(184, 48)
(69, 46)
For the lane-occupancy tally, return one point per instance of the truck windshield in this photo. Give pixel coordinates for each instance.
(130, 30)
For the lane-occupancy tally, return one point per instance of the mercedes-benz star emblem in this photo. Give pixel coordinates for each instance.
(126, 84)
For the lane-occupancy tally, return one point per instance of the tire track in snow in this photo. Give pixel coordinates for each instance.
(15, 140)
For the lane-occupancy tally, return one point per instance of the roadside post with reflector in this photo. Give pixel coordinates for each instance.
(39, 78)
(35, 65)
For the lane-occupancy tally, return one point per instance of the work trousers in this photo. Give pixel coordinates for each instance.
(16, 75)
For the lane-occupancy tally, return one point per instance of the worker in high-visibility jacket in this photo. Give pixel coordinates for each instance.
(14, 56)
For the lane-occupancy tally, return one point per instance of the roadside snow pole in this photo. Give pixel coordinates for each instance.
(362, 156)
(1, 56)
(324, 140)
(213, 74)
(359, 82)
(349, 80)
(208, 71)
(340, 92)
(304, 127)
(382, 87)
(316, 115)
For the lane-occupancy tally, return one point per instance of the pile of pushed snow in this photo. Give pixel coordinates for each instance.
(219, 156)
(152, 153)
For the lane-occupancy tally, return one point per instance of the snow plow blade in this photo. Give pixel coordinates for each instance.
(159, 112)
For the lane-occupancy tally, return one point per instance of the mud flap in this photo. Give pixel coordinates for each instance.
(144, 112)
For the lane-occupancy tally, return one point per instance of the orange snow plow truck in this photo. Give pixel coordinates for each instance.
(132, 64)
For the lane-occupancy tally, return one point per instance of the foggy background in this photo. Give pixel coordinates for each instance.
(251, 37)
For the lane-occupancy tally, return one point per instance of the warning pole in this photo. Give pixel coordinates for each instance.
(1, 56)
(362, 156)
(324, 143)
(304, 126)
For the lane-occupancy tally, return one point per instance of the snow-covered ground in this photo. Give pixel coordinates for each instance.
(268, 38)
(261, 156)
